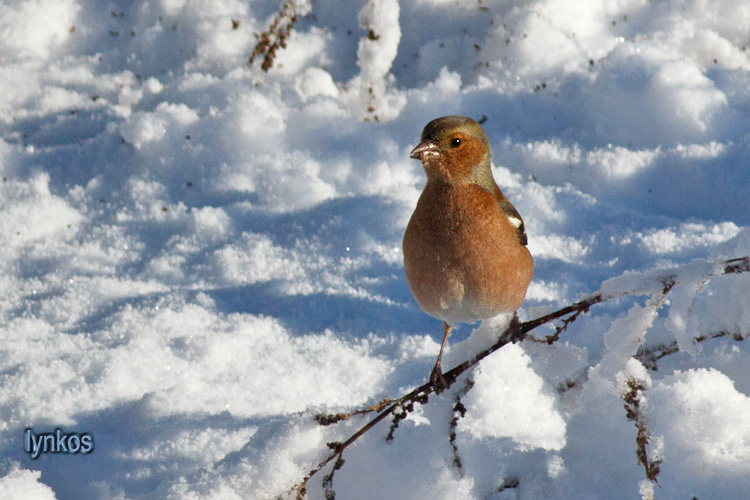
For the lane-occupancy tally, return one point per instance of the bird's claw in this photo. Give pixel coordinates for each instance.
(438, 380)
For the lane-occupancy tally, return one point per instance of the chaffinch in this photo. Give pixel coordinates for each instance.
(465, 254)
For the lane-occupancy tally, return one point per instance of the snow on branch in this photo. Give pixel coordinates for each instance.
(376, 52)
(634, 411)
(657, 284)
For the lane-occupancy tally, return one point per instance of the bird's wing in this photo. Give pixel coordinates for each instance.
(515, 218)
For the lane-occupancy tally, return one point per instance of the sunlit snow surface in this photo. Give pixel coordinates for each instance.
(196, 257)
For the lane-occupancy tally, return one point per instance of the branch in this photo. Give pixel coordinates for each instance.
(634, 412)
(648, 356)
(459, 412)
(275, 36)
(658, 282)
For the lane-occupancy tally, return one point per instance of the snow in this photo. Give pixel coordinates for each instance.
(20, 483)
(197, 257)
(704, 421)
(506, 386)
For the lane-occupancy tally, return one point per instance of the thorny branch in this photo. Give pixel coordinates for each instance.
(515, 332)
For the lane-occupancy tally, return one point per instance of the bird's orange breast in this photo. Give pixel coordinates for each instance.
(462, 257)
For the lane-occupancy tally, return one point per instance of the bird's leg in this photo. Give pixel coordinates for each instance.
(436, 376)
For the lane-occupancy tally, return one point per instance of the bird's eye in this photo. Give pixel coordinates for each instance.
(455, 142)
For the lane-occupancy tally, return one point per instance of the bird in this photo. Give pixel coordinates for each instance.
(465, 247)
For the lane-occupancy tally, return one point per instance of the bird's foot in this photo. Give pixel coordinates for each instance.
(514, 328)
(438, 380)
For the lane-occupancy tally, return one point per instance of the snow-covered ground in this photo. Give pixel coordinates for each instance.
(196, 256)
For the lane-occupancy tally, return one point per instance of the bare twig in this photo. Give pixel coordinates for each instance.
(459, 411)
(508, 484)
(649, 356)
(634, 412)
(326, 419)
(275, 36)
(741, 265)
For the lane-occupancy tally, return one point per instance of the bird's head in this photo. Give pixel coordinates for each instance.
(454, 149)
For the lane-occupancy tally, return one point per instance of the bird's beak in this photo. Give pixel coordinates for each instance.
(426, 147)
